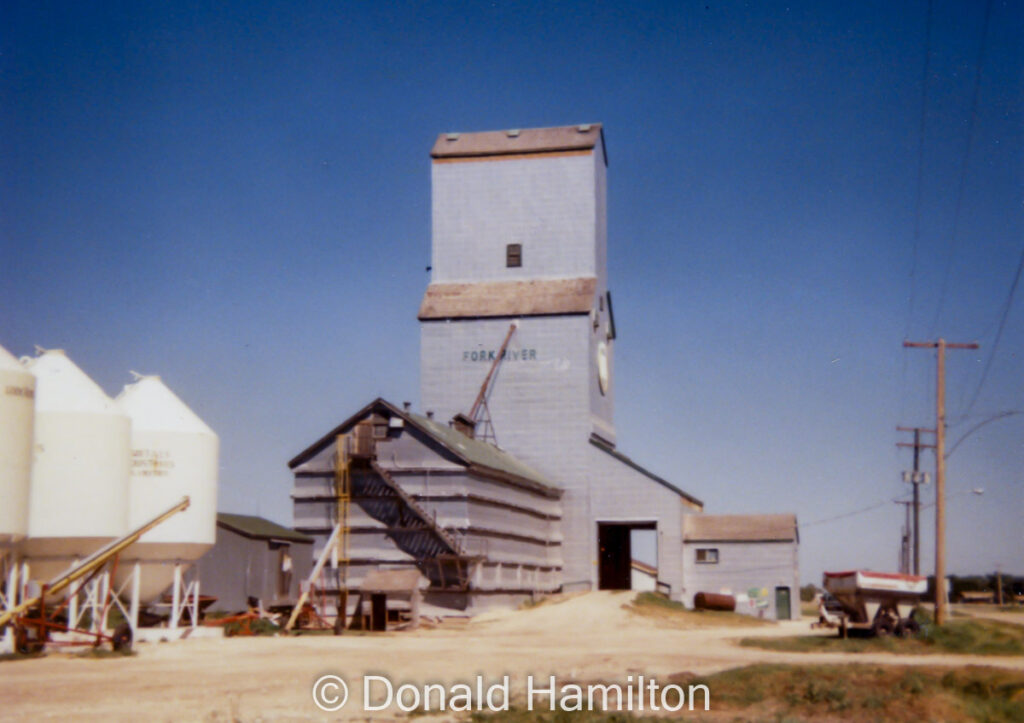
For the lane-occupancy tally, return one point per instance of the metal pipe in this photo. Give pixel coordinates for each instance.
(93, 561)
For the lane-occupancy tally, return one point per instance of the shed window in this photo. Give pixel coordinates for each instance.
(514, 255)
(707, 555)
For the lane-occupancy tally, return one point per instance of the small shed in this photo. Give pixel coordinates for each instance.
(254, 558)
(754, 558)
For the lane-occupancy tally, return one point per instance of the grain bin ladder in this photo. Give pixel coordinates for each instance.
(91, 564)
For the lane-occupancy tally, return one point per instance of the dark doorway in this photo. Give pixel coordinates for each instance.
(378, 611)
(615, 556)
(782, 611)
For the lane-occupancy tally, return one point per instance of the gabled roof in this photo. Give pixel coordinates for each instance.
(740, 528)
(508, 298)
(478, 456)
(259, 528)
(609, 449)
(518, 141)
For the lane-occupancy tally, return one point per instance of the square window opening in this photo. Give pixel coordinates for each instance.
(707, 555)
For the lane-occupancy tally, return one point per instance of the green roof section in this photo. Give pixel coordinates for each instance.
(478, 452)
(259, 528)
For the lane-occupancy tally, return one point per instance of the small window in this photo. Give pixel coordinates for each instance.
(514, 255)
(707, 555)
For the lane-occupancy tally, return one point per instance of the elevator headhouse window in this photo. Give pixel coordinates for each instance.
(514, 255)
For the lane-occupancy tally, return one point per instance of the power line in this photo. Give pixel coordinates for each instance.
(963, 167)
(861, 511)
(979, 425)
(999, 335)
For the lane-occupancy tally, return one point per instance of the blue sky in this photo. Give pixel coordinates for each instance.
(236, 196)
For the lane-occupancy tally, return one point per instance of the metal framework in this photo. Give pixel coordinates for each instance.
(480, 414)
(343, 490)
(33, 622)
(336, 550)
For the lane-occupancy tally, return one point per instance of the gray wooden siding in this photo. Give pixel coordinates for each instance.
(742, 566)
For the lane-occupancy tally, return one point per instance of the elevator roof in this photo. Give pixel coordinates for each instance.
(518, 141)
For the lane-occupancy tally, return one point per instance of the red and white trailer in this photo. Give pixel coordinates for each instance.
(882, 602)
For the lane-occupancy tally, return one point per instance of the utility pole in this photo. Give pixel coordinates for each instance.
(917, 478)
(940, 466)
(905, 539)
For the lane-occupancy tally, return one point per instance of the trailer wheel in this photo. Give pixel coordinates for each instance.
(883, 626)
(121, 640)
(908, 628)
(25, 644)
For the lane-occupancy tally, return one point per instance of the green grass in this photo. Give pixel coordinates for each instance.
(975, 636)
(872, 692)
(659, 607)
(830, 692)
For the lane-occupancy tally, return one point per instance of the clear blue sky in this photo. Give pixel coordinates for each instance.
(236, 196)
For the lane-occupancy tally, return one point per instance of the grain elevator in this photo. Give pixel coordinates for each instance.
(517, 340)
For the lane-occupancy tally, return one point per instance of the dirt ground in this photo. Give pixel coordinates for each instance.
(587, 637)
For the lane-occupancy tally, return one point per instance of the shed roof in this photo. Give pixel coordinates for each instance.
(478, 456)
(518, 141)
(740, 528)
(508, 298)
(259, 528)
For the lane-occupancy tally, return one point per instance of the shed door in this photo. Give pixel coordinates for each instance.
(782, 611)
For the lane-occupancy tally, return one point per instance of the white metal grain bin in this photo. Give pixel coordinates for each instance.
(78, 500)
(17, 415)
(174, 453)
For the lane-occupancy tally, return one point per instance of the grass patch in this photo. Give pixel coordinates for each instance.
(828, 692)
(658, 607)
(871, 692)
(976, 636)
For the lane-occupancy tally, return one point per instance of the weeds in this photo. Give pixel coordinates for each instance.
(967, 637)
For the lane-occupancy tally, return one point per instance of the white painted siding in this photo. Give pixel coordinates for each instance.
(547, 204)
(743, 567)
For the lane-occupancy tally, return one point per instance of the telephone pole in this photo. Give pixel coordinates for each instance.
(905, 538)
(917, 478)
(940, 466)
